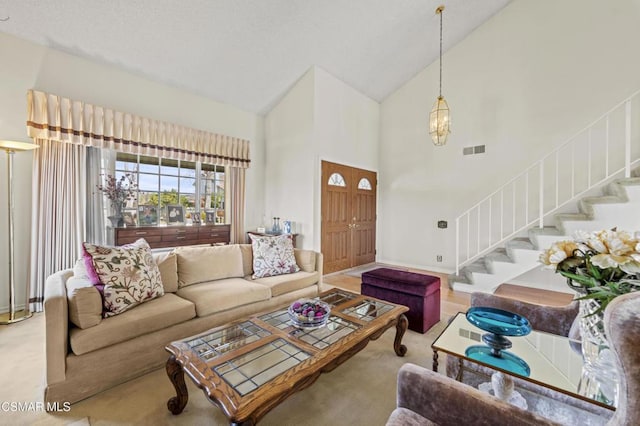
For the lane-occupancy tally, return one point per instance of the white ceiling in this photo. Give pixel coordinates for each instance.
(248, 53)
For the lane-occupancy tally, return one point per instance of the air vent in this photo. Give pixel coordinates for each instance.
(470, 150)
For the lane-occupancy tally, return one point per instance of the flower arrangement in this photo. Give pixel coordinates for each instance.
(118, 190)
(598, 265)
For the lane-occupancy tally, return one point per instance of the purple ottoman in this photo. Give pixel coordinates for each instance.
(419, 292)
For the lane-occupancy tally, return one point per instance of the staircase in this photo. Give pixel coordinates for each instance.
(587, 183)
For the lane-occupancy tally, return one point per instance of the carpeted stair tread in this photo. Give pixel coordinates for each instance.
(520, 243)
(547, 230)
(572, 217)
(603, 199)
(499, 255)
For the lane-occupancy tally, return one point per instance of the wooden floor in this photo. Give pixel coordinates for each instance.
(452, 301)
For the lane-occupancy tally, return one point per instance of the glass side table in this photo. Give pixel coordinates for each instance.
(553, 362)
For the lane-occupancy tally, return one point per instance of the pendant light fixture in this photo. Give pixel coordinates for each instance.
(439, 119)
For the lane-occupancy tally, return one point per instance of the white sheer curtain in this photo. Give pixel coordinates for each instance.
(96, 228)
(58, 221)
(237, 186)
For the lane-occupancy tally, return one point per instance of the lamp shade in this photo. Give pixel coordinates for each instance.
(439, 122)
(17, 146)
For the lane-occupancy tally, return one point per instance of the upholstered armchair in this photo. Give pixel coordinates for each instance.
(428, 398)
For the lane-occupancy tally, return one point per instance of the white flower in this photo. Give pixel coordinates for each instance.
(558, 252)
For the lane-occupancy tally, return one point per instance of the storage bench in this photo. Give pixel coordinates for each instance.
(419, 292)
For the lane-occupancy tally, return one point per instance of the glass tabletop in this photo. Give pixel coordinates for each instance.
(253, 369)
(553, 360)
(216, 343)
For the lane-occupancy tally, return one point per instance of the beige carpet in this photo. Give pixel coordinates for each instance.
(359, 392)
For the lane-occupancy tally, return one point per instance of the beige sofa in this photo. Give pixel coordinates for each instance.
(86, 354)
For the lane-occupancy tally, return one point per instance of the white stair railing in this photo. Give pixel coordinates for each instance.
(600, 152)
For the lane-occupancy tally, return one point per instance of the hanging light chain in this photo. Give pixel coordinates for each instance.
(440, 9)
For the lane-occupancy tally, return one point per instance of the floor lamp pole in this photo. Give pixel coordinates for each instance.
(13, 316)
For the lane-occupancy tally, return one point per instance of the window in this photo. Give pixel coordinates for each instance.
(336, 179)
(212, 190)
(198, 187)
(364, 184)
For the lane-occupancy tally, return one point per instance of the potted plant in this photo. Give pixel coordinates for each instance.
(118, 191)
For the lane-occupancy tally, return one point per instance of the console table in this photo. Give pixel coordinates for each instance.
(174, 235)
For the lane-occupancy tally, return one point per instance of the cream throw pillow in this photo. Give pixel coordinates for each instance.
(202, 264)
(306, 259)
(168, 265)
(84, 301)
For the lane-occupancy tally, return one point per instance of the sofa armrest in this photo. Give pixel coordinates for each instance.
(56, 315)
(552, 319)
(445, 401)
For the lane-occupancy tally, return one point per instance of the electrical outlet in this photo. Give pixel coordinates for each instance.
(439, 258)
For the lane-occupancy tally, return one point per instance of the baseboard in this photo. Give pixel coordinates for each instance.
(5, 309)
(431, 268)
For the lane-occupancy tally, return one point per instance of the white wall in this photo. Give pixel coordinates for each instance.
(289, 160)
(320, 118)
(26, 65)
(521, 84)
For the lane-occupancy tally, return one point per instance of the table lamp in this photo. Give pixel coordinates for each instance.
(11, 147)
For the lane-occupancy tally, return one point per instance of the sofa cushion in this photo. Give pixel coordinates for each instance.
(282, 284)
(202, 264)
(220, 295)
(151, 316)
(247, 259)
(129, 274)
(85, 302)
(168, 265)
(272, 255)
(306, 259)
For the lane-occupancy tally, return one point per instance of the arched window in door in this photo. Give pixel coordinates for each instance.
(336, 179)
(364, 184)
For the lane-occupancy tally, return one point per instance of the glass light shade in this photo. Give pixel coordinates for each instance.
(439, 122)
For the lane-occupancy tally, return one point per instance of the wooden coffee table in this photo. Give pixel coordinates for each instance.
(249, 366)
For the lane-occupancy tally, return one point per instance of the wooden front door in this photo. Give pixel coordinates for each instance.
(348, 216)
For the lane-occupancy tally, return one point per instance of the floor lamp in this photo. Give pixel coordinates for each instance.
(11, 147)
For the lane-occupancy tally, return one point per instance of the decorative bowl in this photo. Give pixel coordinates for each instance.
(498, 321)
(309, 313)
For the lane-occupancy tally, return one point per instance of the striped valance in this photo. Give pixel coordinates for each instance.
(66, 120)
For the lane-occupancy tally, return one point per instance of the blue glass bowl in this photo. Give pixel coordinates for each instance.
(506, 361)
(497, 321)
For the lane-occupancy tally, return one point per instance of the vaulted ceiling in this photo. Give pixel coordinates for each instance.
(248, 53)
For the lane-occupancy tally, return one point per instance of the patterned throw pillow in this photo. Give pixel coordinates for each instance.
(129, 275)
(272, 255)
